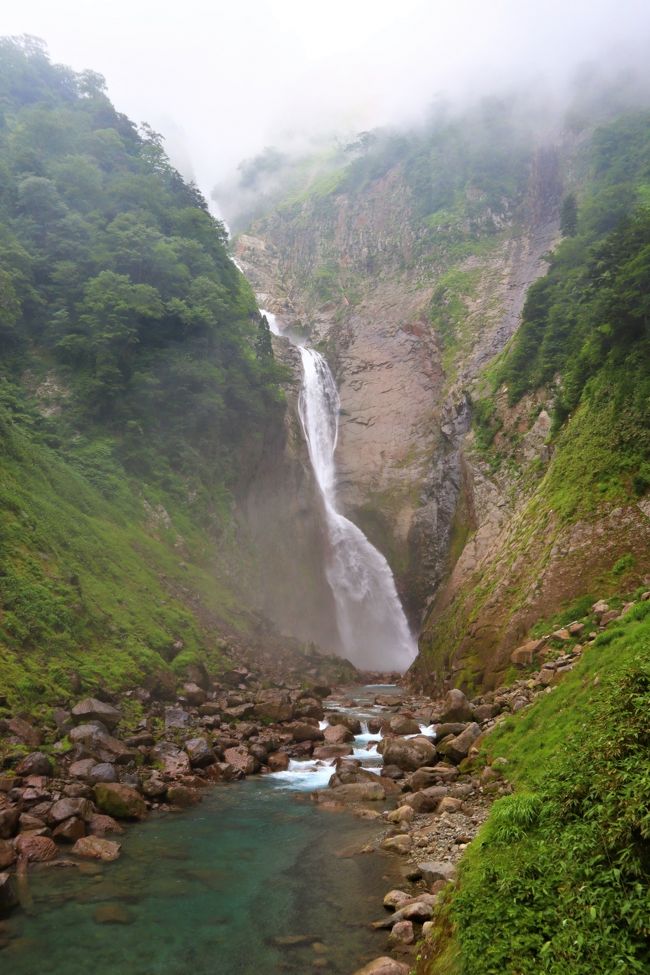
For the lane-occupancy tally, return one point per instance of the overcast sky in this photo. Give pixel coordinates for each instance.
(221, 80)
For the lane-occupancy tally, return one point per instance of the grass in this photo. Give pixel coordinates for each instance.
(557, 881)
(89, 589)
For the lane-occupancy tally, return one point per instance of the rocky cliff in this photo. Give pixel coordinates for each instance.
(495, 510)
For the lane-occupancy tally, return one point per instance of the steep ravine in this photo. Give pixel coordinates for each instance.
(404, 397)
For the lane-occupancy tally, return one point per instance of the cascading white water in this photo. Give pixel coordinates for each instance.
(372, 625)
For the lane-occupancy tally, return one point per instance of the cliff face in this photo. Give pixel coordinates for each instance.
(497, 501)
(358, 271)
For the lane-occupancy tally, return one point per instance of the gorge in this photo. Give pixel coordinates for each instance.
(325, 542)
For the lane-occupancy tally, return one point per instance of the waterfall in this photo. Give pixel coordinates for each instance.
(372, 626)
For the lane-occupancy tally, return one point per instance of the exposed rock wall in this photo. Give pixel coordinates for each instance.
(404, 409)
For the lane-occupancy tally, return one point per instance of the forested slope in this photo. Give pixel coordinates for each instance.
(137, 384)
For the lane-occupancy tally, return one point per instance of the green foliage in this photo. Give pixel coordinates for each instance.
(591, 310)
(136, 385)
(557, 881)
(113, 268)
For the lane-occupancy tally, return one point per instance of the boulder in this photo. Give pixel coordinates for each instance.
(173, 761)
(384, 966)
(302, 731)
(37, 763)
(154, 787)
(90, 709)
(456, 707)
(357, 792)
(81, 768)
(25, 732)
(426, 800)
(70, 830)
(241, 760)
(456, 749)
(395, 899)
(434, 870)
(183, 796)
(97, 848)
(400, 724)
(94, 738)
(199, 753)
(432, 775)
(400, 844)
(36, 849)
(66, 808)
(120, 801)
(8, 893)
(403, 933)
(102, 772)
(176, 718)
(273, 705)
(338, 734)
(403, 814)
(101, 824)
(485, 712)
(278, 761)
(348, 720)
(407, 753)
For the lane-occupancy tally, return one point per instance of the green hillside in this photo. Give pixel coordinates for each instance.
(136, 386)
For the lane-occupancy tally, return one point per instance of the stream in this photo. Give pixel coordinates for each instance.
(256, 879)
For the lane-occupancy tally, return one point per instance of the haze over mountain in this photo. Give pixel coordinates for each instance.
(223, 81)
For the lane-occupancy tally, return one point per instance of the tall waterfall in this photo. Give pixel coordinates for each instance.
(373, 628)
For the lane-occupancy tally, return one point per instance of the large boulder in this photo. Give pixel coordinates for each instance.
(183, 796)
(176, 718)
(102, 772)
(120, 801)
(90, 709)
(37, 763)
(456, 707)
(433, 870)
(408, 754)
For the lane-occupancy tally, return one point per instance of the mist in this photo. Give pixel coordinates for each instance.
(222, 82)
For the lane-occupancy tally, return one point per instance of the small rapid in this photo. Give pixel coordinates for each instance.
(373, 629)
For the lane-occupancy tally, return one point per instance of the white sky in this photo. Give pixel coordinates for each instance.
(221, 80)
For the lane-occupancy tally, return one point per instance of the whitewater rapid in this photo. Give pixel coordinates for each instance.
(372, 626)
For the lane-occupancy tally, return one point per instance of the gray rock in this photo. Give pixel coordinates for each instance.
(38, 763)
(408, 754)
(456, 707)
(8, 893)
(102, 772)
(433, 870)
(199, 752)
(90, 709)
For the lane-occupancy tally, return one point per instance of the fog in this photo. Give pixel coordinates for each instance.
(223, 80)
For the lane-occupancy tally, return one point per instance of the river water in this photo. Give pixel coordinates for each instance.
(207, 891)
